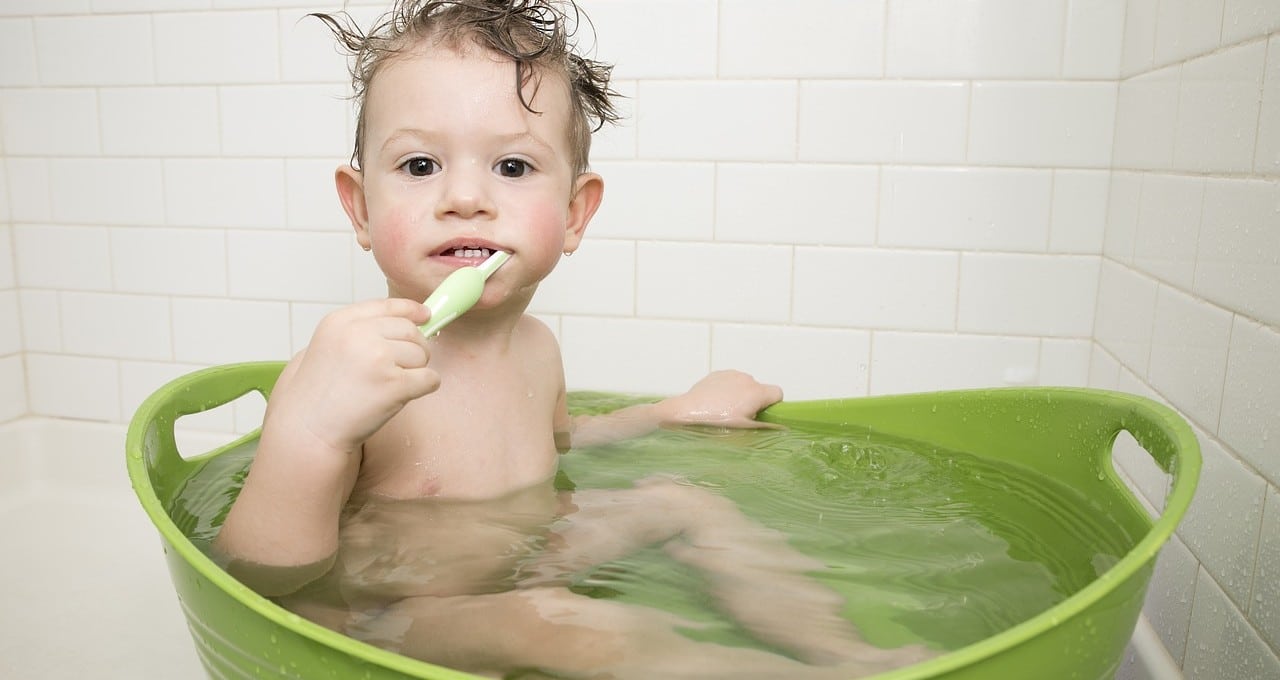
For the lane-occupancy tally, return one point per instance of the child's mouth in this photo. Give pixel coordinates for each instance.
(470, 253)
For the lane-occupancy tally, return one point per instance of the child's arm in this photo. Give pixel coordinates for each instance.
(722, 399)
(364, 363)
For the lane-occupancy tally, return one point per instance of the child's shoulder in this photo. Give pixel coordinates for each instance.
(537, 338)
(533, 328)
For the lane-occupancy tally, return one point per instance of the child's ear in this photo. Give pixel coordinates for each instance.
(350, 185)
(587, 192)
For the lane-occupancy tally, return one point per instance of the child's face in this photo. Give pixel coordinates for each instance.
(453, 162)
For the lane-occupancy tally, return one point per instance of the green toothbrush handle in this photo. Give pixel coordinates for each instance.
(457, 293)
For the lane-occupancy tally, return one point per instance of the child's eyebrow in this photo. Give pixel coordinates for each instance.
(429, 136)
(524, 136)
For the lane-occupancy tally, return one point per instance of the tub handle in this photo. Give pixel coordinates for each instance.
(150, 439)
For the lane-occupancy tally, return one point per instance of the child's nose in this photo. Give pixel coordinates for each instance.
(464, 194)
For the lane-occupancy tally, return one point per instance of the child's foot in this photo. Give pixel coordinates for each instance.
(868, 660)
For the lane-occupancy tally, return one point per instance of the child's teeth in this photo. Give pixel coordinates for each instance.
(470, 252)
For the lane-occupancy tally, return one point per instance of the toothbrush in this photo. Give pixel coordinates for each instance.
(459, 292)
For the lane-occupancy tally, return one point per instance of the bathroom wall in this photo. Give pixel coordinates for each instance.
(13, 392)
(842, 196)
(1188, 313)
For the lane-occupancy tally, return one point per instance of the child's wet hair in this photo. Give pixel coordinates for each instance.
(537, 35)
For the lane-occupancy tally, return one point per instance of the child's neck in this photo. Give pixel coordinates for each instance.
(476, 337)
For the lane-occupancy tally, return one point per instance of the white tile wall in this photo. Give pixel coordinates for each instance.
(170, 261)
(1079, 214)
(49, 121)
(714, 281)
(1064, 362)
(190, 47)
(1218, 110)
(41, 320)
(10, 333)
(1171, 594)
(921, 195)
(52, 256)
(1264, 608)
(1185, 28)
(1251, 397)
(638, 37)
(110, 325)
(863, 288)
(159, 121)
(1244, 19)
(920, 362)
(1186, 305)
(28, 189)
(979, 39)
(1039, 295)
(786, 203)
(1095, 35)
(96, 50)
(310, 200)
(874, 121)
(224, 192)
(289, 121)
(1266, 158)
(847, 42)
(73, 386)
(1042, 124)
(8, 278)
(633, 210)
(1125, 314)
(17, 53)
(1168, 227)
(963, 208)
(811, 363)
(1224, 647)
(1236, 262)
(318, 270)
(13, 388)
(100, 191)
(726, 120)
(1189, 339)
(1146, 118)
(601, 280)
(1229, 491)
(221, 331)
(1138, 51)
(661, 357)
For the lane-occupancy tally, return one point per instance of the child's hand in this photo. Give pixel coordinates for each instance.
(364, 363)
(723, 399)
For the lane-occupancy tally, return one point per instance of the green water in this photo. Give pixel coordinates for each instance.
(926, 544)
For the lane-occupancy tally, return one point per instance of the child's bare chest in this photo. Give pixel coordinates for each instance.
(471, 439)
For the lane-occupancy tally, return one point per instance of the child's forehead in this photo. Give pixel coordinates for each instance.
(432, 70)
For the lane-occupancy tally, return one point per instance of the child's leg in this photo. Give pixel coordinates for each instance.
(754, 574)
(554, 631)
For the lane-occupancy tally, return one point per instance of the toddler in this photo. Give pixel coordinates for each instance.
(400, 481)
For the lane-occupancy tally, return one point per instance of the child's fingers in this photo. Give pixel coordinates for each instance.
(401, 329)
(419, 381)
(408, 309)
(772, 393)
(408, 354)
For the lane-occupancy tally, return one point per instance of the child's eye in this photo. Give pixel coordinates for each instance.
(421, 166)
(512, 167)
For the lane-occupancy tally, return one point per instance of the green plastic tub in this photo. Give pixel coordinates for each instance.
(1064, 433)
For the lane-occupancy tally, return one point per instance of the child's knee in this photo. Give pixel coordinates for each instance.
(675, 495)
